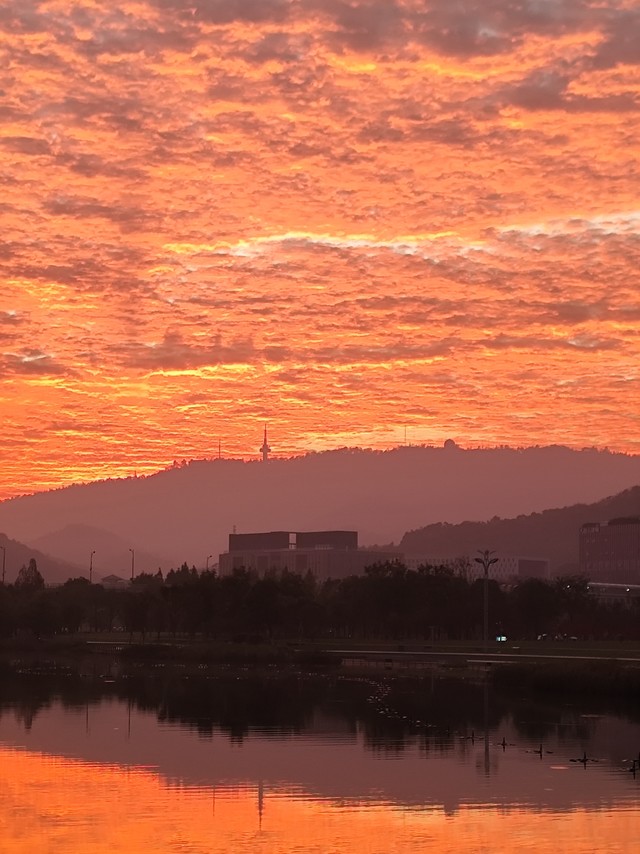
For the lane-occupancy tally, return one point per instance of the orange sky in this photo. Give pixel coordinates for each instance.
(342, 218)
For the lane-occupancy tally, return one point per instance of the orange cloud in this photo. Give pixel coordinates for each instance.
(235, 203)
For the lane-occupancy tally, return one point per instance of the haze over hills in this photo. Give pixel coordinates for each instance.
(552, 534)
(18, 555)
(73, 544)
(186, 513)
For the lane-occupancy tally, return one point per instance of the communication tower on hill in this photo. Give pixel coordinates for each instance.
(265, 450)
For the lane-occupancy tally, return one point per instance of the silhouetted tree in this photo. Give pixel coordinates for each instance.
(29, 577)
(74, 600)
(535, 607)
(387, 601)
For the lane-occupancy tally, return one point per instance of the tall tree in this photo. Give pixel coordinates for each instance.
(29, 577)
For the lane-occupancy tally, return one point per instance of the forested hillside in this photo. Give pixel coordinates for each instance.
(186, 512)
(552, 534)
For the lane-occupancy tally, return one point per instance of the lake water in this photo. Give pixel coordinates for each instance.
(234, 760)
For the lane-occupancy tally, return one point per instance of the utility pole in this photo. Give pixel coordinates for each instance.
(91, 566)
(486, 560)
(4, 561)
(133, 562)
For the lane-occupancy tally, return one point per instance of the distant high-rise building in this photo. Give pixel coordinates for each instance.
(610, 551)
(265, 450)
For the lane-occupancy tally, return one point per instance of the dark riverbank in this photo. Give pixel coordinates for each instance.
(187, 652)
(589, 670)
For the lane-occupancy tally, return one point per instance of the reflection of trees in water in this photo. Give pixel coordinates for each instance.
(234, 702)
(26, 691)
(26, 712)
(544, 721)
(437, 714)
(535, 722)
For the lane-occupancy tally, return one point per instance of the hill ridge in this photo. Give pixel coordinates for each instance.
(186, 513)
(551, 533)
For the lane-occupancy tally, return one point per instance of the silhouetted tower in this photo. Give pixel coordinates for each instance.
(265, 450)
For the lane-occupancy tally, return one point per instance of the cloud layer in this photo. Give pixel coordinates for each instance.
(343, 218)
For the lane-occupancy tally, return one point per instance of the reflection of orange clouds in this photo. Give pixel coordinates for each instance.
(59, 805)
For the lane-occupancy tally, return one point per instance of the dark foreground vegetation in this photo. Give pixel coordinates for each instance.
(388, 603)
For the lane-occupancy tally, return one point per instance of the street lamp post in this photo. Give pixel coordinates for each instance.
(486, 560)
(207, 564)
(4, 561)
(91, 566)
(133, 562)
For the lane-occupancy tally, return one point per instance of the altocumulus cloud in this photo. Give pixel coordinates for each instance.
(174, 353)
(387, 207)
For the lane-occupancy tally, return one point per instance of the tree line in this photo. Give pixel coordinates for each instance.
(389, 601)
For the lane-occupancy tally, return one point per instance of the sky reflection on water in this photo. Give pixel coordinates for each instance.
(115, 774)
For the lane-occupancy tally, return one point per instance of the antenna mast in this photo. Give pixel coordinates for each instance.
(265, 450)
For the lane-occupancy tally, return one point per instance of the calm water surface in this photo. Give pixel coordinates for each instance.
(166, 760)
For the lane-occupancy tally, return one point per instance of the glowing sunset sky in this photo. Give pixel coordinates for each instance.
(337, 217)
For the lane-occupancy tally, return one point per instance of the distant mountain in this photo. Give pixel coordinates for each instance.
(18, 555)
(74, 544)
(186, 513)
(552, 534)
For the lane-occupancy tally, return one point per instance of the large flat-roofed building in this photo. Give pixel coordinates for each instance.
(293, 540)
(325, 554)
(610, 551)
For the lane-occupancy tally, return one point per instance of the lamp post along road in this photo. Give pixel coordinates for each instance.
(486, 560)
(133, 562)
(207, 563)
(91, 566)
(4, 561)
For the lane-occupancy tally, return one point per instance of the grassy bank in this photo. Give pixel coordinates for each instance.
(187, 652)
(565, 649)
(577, 666)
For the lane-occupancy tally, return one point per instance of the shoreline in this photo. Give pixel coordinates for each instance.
(549, 672)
